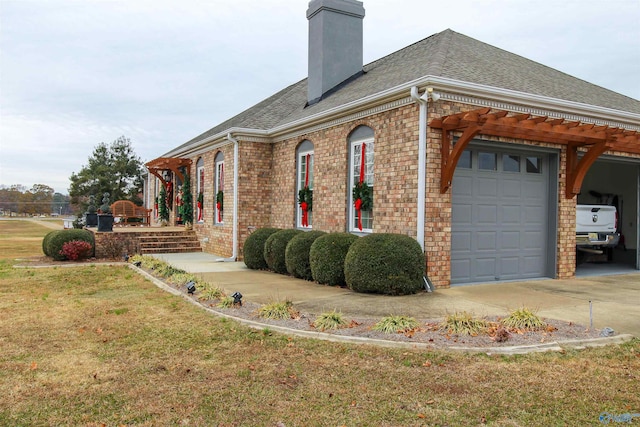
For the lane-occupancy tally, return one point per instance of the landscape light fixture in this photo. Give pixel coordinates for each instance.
(237, 298)
(191, 287)
(137, 263)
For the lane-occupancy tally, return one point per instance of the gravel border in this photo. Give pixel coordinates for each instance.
(566, 335)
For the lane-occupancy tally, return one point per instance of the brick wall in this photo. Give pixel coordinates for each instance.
(267, 187)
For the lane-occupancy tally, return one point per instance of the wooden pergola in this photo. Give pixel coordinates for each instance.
(158, 166)
(574, 134)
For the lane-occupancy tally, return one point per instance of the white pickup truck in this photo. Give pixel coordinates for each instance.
(596, 228)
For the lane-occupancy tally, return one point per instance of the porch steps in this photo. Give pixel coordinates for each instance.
(169, 242)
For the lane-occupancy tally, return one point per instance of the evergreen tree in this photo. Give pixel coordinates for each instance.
(113, 169)
(163, 211)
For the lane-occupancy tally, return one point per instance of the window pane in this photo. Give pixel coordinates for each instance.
(534, 165)
(465, 160)
(305, 178)
(368, 177)
(487, 161)
(510, 163)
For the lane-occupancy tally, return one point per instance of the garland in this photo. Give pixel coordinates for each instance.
(200, 202)
(220, 204)
(305, 200)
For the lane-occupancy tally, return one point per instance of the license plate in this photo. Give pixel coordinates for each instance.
(593, 236)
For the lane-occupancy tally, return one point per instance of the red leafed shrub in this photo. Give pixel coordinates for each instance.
(76, 249)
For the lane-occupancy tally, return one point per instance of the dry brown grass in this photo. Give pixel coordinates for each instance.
(97, 346)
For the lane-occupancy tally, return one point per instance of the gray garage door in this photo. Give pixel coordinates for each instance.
(500, 220)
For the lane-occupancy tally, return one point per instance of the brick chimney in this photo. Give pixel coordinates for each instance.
(335, 44)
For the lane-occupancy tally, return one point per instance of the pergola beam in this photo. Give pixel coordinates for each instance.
(573, 134)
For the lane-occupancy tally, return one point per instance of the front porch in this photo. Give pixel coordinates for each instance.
(145, 240)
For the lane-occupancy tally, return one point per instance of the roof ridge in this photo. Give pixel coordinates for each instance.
(441, 51)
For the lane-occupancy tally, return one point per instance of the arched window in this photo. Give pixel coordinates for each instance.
(361, 179)
(304, 172)
(200, 190)
(219, 189)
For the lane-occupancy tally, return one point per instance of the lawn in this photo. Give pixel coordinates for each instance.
(94, 346)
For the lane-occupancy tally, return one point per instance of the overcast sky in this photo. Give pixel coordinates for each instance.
(75, 73)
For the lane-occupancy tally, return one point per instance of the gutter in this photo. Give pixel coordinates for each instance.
(422, 167)
(236, 163)
(422, 161)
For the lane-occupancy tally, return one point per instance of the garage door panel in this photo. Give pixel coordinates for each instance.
(463, 214)
(466, 186)
(500, 224)
(485, 268)
(486, 241)
(532, 265)
(510, 240)
(533, 240)
(461, 242)
(511, 188)
(509, 267)
(534, 214)
(486, 214)
(486, 186)
(511, 215)
(462, 267)
(536, 189)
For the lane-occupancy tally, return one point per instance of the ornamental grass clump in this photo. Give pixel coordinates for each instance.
(212, 293)
(330, 320)
(463, 323)
(395, 324)
(226, 302)
(278, 310)
(523, 319)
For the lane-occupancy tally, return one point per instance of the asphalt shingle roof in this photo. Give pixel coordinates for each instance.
(447, 54)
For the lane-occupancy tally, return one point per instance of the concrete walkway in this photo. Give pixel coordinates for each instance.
(615, 300)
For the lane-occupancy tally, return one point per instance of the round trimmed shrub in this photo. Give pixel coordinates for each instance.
(297, 254)
(327, 255)
(275, 248)
(391, 264)
(55, 243)
(46, 241)
(254, 248)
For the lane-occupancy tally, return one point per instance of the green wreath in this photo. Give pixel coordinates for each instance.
(200, 198)
(363, 192)
(220, 199)
(306, 196)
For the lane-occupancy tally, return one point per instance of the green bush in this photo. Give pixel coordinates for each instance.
(57, 241)
(391, 264)
(46, 241)
(327, 255)
(275, 248)
(297, 254)
(254, 248)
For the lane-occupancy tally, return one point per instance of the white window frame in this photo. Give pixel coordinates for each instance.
(302, 160)
(201, 178)
(354, 177)
(219, 185)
